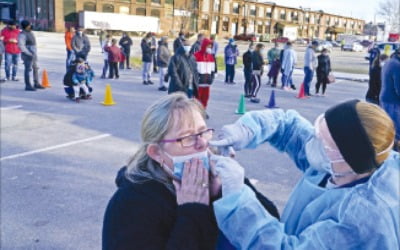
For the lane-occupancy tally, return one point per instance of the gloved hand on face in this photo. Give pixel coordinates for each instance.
(235, 135)
(230, 172)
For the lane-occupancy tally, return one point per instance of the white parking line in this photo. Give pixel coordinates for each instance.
(54, 147)
(11, 107)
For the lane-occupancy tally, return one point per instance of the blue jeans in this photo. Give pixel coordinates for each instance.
(11, 61)
(248, 74)
(308, 76)
(287, 80)
(70, 57)
(146, 71)
(105, 68)
(393, 110)
(230, 72)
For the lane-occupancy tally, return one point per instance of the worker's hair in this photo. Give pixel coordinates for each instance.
(259, 46)
(378, 126)
(379, 59)
(158, 120)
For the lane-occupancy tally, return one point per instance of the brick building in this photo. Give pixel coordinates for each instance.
(224, 17)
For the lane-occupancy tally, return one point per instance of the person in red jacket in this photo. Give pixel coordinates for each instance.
(206, 68)
(10, 34)
(114, 57)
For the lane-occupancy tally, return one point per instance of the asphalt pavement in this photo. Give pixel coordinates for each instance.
(59, 158)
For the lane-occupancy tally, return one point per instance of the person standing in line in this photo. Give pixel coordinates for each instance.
(12, 51)
(154, 51)
(205, 67)
(375, 80)
(69, 34)
(179, 41)
(27, 45)
(197, 45)
(275, 64)
(373, 54)
(81, 44)
(126, 43)
(258, 64)
(2, 51)
(106, 43)
(214, 51)
(323, 70)
(310, 64)
(114, 56)
(231, 53)
(147, 58)
(182, 72)
(288, 63)
(390, 93)
(102, 37)
(163, 56)
(248, 70)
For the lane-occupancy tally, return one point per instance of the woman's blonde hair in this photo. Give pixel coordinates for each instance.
(379, 128)
(157, 121)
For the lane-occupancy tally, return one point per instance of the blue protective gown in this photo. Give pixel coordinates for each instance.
(363, 216)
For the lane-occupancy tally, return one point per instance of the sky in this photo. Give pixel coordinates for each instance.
(363, 9)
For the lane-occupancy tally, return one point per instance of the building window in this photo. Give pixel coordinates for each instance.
(226, 7)
(253, 10)
(267, 27)
(124, 10)
(283, 15)
(260, 11)
(141, 1)
(216, 5)
(206, 6)
(269, 13)
(235, 9)
(225, 24)
(141, 11)
(69, 10)
(295, 16)
(156, 1)
(307, 18)
(128, 1)
(89, 6)
(108, 8)
(259, 27)
(204, 22)
(155, 13)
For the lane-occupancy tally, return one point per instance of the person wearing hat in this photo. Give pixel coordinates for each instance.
(163, 56)
(10, 34)
(81, 44)
(348, 196)
(310, 64)
(231, 53)
(27, 45)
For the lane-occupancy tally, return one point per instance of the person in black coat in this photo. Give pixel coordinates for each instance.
(126, 43)
(258, 64)
(179, 41)
(323, 70)
(375, 82)
(248, 70)
(159, 205)
(147, 58)
(182, 72)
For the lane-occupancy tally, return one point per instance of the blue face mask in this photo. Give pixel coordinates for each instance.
(179, 162)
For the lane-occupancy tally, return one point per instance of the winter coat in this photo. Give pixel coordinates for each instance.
(68, 40)
(390, 92)
(163, 55)
(27, 44)
(147, 54)
(273, 55)
(289, 60)
(374, 84)
(247, 60)
(177, 44)
(182, 70)
(231, 53)
(126, 43)
(205, 64)
(257, 60)
(114, 53)
(324, 66)
(9, 34)
(195, 47)
(81, 44)
(146, 216)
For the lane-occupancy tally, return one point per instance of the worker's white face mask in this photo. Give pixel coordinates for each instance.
(187, 49)
(208, 50)
(179, 162)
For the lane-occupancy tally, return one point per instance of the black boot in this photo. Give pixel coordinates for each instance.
(38, 86)
(29, 87)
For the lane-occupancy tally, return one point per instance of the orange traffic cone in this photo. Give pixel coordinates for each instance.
(108, 99)
(45, 80)
(301, 94)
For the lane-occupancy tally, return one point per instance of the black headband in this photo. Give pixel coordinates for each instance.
(350, 136)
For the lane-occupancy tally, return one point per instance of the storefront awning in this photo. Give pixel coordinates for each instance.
(335, 30)
(281, 25)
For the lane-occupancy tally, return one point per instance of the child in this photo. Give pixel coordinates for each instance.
(114, 57)
(80, 81)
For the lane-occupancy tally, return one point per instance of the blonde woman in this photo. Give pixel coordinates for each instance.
(348, 197)
(164, 194)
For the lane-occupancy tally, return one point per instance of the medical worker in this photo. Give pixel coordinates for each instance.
(348, 197)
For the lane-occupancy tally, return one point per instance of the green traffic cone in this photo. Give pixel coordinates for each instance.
(242, 106)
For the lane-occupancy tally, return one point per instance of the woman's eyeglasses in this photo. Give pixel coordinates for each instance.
(190, 140)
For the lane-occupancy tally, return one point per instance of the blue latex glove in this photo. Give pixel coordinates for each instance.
(230, 172)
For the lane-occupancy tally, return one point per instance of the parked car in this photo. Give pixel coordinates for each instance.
(301, 41)
(324, 45)
(245, 37)
(355, 46)
(280, 40)
(335, 44)
(366, 43)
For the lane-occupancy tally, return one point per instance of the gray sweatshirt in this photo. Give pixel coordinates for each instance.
(27, 43)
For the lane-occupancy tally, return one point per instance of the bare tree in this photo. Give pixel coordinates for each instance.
(184, 12)
(390, 10)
